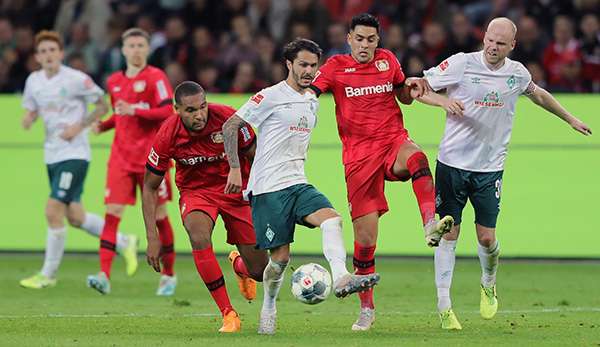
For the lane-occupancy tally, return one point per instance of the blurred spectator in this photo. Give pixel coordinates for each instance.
(203, 49)
(538, 76)
(300, 29)
(530, 45)
(226, 10)
(278, 73)
(175, 73)
(95, 14)
(590, 49)
(130, 9)
(7, 40)
(245, 80)
(81, 45)
(269, 16)
(414, 65)
(434, 44)
(208, 76)
(312, 15)
(177, 46)
(24, 50)
(562, 58)
(202, 13)
(157, 37)
(76, 60)
(462, 38)
(265, 47)
(111, 59)
(240, 47)
(337, 42)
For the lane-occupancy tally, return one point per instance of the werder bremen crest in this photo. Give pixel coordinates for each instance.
(303, 122)
(511, 81)
(269, 233)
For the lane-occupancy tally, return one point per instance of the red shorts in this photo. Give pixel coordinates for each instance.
(232, 208)
(365, 179)
(121, 187)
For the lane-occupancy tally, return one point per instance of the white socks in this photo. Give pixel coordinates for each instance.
(93, 225)
(272, 280)
(488, 257)
(55, 247)
(333, 247)
(444, 260)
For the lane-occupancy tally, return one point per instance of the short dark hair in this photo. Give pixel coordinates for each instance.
(290, 51)
(131, 32)
(187, 88)
(364, 19)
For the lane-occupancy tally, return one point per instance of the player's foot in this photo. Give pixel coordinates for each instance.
(99, 282)
(449, 320)
(231, 323)
(129, 254)
(488, 305)
(435, 229)
(37, 281)
(246, 284)
(268, 322)
(352, 283)
(366, 318)
(166, 285)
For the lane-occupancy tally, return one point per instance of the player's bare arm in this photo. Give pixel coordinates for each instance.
(152, 182)
(543, 98)
(101, 107)
(230, 137)
(28, 119)
(452, 106)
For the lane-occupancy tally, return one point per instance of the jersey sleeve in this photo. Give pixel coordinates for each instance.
(86, 88)
(159, 158)
(323, 80)
(399, 77)
(447, 73)
(163, 92)
(28, 101)
(524, 79)
(256, 110)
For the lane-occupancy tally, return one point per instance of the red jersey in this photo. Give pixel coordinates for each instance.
(200, 160)
(365, 100)
(151, 94)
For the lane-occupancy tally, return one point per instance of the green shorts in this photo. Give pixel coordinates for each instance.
(454, 186)
(276, 214)
(66, 179)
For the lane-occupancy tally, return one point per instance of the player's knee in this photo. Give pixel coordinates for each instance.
(487, 239)
(75, 221)
(199, 241)
(115, 209)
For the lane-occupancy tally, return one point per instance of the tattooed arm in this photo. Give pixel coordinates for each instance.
(230, 136)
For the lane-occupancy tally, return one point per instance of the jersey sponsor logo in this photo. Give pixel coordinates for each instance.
(217, 137)
(349, 69)
(142, 105)
(444, 65)
(302, 125)
(382, 65)
(475, 80)
(116, 89)
(162, 90)
(245, 134)
(491, 99)
(153, 157)
(201, 159)
(257, 98)
(368, 90)
(139, 86)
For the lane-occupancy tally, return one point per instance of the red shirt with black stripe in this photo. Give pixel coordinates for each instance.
(200, 160)
(365, 100)
(151, 95)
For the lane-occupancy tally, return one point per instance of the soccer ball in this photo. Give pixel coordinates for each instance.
(311, 283)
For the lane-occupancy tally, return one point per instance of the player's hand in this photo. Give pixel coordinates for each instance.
(153, 253)
(96, 127)
(455, 107)
(581, 127)
(124, 109)
(27, 122)
(71, 131)
(420, 86)
(234, 181)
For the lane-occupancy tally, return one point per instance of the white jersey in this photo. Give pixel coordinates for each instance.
(61, 101)
(478, 141)
(284, 119)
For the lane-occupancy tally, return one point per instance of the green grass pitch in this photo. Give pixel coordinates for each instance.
(549, 202)
(541, 303)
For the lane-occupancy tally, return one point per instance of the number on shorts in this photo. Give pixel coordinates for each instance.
(65, 180)
(498, 188)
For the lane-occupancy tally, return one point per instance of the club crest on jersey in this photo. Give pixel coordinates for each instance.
(257, 98)
(217, 137)
(139, 86)
(382, 65)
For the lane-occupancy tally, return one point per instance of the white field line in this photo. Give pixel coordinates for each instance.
(384, 313)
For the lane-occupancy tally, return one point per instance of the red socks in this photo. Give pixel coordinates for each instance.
(167, 258)
(209, 270)
(108, 242)
(422, 182)
(364, 263)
